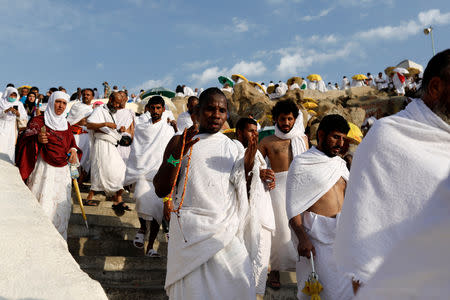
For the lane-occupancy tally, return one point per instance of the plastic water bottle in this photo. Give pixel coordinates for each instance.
(74, 171)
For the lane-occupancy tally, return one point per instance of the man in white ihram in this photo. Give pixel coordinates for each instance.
(185, 118)
(314, 195)
(396, 173)
(208, 257)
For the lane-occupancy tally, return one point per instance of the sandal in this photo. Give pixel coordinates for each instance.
(152, 253)
(139, 239)
(91, 203)
(121, 206)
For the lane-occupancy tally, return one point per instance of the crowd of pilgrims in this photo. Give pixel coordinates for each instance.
(245, 208)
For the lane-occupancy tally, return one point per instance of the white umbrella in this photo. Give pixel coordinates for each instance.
(410, 64)
(401, 70)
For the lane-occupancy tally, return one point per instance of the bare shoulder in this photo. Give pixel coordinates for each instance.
(268, 140)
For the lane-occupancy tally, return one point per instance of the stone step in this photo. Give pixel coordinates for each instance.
(125, 292)
(100, 232)
(286, 292)
(89, 247)
(128, 220)
(102, 205)
(121, 263)
(138, 278)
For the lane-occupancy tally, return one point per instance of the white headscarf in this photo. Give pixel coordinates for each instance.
(51, 119)
(4, 102)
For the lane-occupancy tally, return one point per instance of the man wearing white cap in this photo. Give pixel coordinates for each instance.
(44, 151)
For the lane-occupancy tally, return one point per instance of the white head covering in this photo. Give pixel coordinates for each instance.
(51, 119)
(78, 111)
(4, 102)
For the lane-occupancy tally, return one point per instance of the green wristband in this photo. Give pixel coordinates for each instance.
(173, 161)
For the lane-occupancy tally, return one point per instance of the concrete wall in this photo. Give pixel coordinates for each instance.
(34, 260)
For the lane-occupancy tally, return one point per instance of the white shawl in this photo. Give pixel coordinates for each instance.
(184, 121)
(52, 120)
(395, 171)
(102, 114)
(310, 176)
(296, 136)
(147, 149)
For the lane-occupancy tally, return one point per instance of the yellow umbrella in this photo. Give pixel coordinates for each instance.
(236, 77)
(25, 86)
(270, 89)
(312, 285)
(310, 105)
(229, 130)
(255, 84)
(314, 77)
(312, 112)
(359, 77)
(354, 133)
(310, 100)
(413, 71)
(389, 71)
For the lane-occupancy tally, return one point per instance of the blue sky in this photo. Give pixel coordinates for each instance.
(143, 44)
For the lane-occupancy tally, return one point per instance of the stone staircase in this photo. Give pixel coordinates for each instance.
(105, 251)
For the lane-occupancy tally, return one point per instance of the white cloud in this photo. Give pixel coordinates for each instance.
(240, 25)
(166, 82)
(434, 17)
(326, 39)
(322, 13)
(249, 69)
(406, 29)
(195, 65)
(294, 61)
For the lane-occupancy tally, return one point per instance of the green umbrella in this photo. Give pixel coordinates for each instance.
(158, 91)
(223, 80)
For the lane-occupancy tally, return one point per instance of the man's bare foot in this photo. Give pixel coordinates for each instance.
(273, 280)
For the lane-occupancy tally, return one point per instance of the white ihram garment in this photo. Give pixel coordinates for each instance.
(107, 166)
(283, 256)
(184, 121)
(207, 256)
(8, 123)
(53, 186)
(147, 151)
(418, 268)
(311, 175)
(124, 117)
(395, 171)
(399, 86)
(321, 87)
(261, 205)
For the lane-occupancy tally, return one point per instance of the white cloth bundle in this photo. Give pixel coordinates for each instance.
(214, 213)
(78, 112)
(395, 171)
(418, 268)
(310, 176)
(52, 120)
(296, 136)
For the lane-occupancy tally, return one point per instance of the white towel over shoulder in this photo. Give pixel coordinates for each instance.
(395, 171)
(296, 135)
(310, 176)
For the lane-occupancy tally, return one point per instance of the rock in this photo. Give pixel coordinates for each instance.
(295, 95)
(180, 103)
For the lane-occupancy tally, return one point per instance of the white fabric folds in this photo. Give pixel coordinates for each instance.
(184, 121)
(310, 176)
(78, 112)
(395, 171)
(206, 250)
(418, 268)
(52, 120)
(147, 151)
